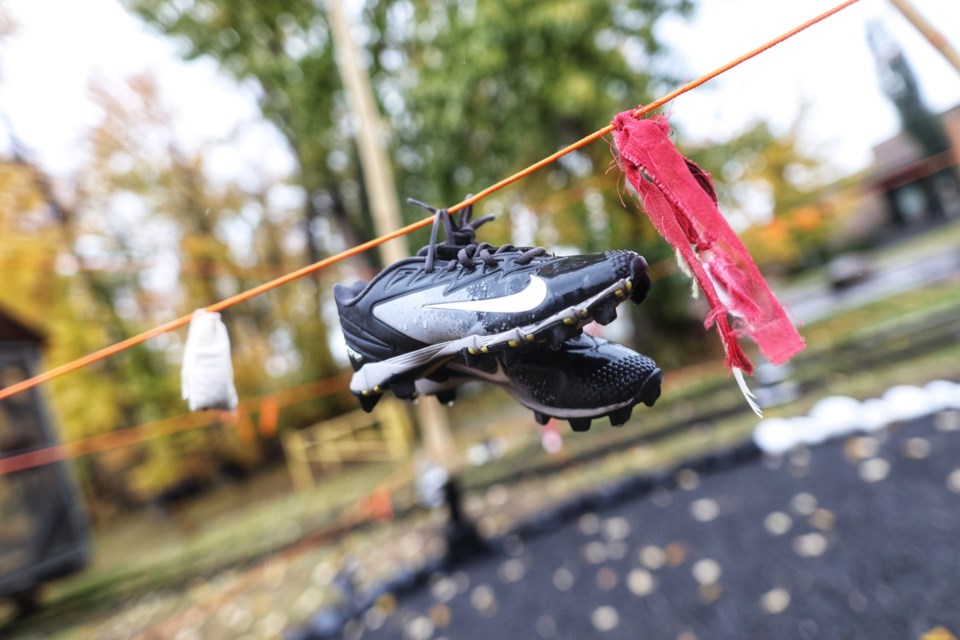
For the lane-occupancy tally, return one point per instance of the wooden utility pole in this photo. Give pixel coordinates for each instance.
(928, 31)
(378, 180)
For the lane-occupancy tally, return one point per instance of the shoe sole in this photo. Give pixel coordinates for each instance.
(372, 379)
(580, 419)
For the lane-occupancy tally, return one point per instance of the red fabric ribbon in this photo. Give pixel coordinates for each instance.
(680, 201)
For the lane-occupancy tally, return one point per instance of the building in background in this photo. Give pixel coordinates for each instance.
(44, 532)
(905, 190)
(918, 189)
(915, 172)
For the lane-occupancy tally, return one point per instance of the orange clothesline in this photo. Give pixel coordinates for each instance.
(178, 323)
(34, 261)
(168, 426)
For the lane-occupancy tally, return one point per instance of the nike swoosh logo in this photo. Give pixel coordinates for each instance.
(528, 299)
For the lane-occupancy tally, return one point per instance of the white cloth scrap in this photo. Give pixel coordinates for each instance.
(207, 372)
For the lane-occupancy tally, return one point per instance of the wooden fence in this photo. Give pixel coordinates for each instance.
(384, 435)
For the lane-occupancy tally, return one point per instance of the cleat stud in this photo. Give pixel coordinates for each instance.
(629, 285)
(378, 389)
(368, 402)
(650, 398)
(531, 337)
(606, 312)
(447, 397)
(620, 417)
(513, 344)
(441, 375)
(469, 359)
(568, 321)
(366, 393)
(484, 349)
(639, 293)
(584, 313)
(557, 335)
(541, 418)
(404, 389)
(652, 389)
(618, 293)
(472, 351)
(510, 358)
(580, 424)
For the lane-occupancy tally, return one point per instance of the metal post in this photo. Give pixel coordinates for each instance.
(928, 31)
(378, 179)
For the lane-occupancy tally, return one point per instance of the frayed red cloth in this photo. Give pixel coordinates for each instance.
(679, 199)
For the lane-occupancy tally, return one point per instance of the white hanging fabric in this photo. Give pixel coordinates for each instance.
(207, 372)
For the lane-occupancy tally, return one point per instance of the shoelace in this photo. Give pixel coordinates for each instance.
(464, 235)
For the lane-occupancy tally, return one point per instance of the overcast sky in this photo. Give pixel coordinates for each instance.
(61, 43)
(829, 65)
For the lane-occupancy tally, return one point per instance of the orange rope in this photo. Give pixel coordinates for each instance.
(35, 261)
(317, 266)
(168, 426)
(183, 321)
(106, 441)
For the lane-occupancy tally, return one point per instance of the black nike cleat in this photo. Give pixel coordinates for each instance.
(461, 301)
(586, 378)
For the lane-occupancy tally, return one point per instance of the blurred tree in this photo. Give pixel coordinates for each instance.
(472, 90)
(7, 24)
(284, 47)
(900, 85)
(927, 129)
(145, 200)
(99, 270)
(770, 184)
(27, 231)
(760, 173)
(36, 256)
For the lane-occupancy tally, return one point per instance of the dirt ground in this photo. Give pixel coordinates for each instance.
(855, 538)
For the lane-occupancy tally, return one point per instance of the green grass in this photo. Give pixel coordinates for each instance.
(229, 527)
(883, 315)
(946, 236)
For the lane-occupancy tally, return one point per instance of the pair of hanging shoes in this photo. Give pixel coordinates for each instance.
(512, 316)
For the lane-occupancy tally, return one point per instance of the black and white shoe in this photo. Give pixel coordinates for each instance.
(463, 300)
(585, 378)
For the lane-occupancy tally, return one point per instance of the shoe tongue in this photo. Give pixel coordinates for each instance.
(447, 252)
(443, 252)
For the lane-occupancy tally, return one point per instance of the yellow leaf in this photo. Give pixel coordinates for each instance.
(938, 633)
